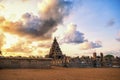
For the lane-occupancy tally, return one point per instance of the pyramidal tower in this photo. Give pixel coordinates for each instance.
(55, 51)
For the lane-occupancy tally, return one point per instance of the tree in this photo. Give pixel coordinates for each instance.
(109, 56)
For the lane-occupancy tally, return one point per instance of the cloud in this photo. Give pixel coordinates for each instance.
(21, 46)
(2, 19)
(1, 40)
(90, 45)
(29, 46)
(8, 26)
(113, 52)
(1, 0)
(118, 39)
(55, 9)
(24, 0)
(72, 35)
(111, 22)
(118, 36)
(14, 43)
(45, 44)
(51, 13)
(2, 6)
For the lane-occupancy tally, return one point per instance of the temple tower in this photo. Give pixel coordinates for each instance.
(55, 51)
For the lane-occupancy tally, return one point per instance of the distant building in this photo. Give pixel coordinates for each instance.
(55, 51)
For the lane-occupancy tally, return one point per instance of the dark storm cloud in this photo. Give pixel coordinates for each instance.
(36, 27)
(46, 24)
(41, 26)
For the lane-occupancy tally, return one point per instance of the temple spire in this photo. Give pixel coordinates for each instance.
(55, 51)
(55, 39)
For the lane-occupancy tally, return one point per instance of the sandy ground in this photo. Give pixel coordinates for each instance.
(61, 74)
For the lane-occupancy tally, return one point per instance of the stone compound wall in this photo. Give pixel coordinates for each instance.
(25, 63)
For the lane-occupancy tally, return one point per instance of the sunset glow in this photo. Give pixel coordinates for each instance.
(80, 26)
(10, 40)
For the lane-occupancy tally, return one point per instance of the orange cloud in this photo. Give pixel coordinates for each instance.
(90, 45)
(1, 40)
(2, 7)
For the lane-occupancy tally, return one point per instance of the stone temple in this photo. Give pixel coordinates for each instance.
(55, 51)
(56, 58)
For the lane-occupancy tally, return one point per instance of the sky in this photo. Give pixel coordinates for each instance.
(28, 27)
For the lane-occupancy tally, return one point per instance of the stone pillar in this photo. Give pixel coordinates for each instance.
(101, 59)
(0, 53)
(94, 55)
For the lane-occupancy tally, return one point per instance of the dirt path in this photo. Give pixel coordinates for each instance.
(61, 74)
